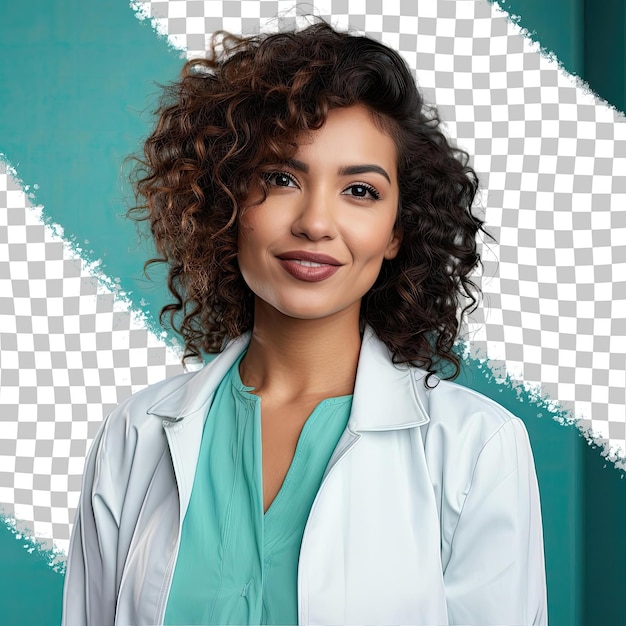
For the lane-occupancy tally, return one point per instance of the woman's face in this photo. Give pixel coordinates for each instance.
(315, 246)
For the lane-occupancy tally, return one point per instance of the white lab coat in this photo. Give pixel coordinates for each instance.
(428, 512)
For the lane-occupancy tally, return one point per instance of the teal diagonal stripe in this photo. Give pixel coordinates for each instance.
(30, 590)
(78, 85)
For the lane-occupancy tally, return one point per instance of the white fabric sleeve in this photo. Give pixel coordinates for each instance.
(89, 596)
(496, 572)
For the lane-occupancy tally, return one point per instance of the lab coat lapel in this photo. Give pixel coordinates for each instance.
(183, 412)
(386, 396)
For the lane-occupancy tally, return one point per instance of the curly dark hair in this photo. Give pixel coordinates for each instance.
(244, 107)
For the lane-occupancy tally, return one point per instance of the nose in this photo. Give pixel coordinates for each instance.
(315, 217)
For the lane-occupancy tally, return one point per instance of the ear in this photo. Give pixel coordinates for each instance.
(393, 247)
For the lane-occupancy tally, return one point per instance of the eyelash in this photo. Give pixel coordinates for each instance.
(371, 190)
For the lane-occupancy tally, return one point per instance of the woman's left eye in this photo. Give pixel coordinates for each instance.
(359, 190)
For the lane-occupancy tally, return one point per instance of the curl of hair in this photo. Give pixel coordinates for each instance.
(244, 107)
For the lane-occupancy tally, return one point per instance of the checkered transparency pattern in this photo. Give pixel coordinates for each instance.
(552, 162)
(70, 350)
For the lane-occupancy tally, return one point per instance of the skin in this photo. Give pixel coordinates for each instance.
(305, 340)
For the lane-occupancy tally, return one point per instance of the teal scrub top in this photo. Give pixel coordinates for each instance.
(237, 565)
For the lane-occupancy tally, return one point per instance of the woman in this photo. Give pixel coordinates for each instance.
(319, 234)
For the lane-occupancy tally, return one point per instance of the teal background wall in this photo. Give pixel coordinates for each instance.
(78, 82)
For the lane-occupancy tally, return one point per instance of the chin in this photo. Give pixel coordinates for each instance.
(305, 313)
(310, 310)
(304, 306)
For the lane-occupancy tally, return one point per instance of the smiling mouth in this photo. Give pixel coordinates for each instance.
(308, 271)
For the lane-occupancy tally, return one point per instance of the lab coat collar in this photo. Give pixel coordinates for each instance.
(386, 396)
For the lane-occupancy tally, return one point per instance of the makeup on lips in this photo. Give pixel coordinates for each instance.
(309, 266)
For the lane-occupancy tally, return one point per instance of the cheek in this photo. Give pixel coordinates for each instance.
(247, 233)
(371, 244)
(253, 243)
(245, 248)
(257, 223)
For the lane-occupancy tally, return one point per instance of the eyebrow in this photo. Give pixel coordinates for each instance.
(346, 170)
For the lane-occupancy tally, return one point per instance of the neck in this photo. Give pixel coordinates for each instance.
(290, 359)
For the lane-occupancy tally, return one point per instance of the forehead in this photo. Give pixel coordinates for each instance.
(350, 135)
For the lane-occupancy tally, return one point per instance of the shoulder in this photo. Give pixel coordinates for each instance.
(130, 432)
(460, 409)
(140, 417)
(133, 413)
(136, 408)
(467, 428)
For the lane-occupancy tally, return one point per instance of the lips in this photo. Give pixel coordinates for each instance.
(309, 266)
(313, 257)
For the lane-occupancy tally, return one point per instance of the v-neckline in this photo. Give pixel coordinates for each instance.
(282, 495)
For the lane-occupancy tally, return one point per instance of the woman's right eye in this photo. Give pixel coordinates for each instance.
(280, 179)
